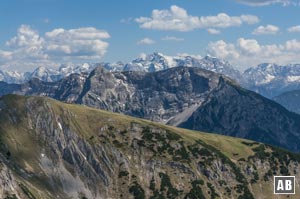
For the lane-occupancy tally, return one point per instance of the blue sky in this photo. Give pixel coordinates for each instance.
(51, 32)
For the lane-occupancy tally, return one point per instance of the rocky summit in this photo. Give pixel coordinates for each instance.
(54, 150)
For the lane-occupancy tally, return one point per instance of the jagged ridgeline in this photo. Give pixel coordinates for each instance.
(54, 150)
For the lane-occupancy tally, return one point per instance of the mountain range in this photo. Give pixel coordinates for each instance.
(146, 63)
(45, 74)
(187, 97)
(266, 79)
(271, 80)
(49, 150)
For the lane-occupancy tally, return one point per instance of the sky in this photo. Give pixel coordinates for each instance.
(53, 32)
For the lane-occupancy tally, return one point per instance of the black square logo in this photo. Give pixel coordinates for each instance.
(284, 184)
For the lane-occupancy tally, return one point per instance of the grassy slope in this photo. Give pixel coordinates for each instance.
(88, 121)
(87, 116)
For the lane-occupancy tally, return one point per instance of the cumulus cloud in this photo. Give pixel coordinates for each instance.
(80, 43)
(267, 2)
(223, 50)
(172, 38)
(249, 52)
(248, 46)
(146, 41)
(294, 29)
(266, 30)
(25, 37)
(29, 48)
(213, 31)
(178, 19)
(26, 45)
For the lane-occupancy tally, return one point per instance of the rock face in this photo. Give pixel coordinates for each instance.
(290, 100)
(241, 113)
(55, 150)
(188, 97)
(156, 96)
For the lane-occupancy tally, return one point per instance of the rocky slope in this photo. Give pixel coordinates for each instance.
(238, 112)
(290, 100)
(55, 150)
(157, 96)
(271, 80)
(183, 96)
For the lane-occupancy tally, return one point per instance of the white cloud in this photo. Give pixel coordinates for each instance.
(213, 31)
(178, 19)
(80, 43)
(88, 33)
(5, 55)
(223, 20)
(267, 2)
(294, 29)
(248, 46)
(146, 41)
(223, 50)
(25, 37)
(250, 19)
(293, 45)
(26, 45)
(266, 30)
(29, 49)
(190, 55)
(172, 38)
(143, 56)
(249, 52)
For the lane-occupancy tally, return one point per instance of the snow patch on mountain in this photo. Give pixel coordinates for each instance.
(268, 79)
(271, 79)
(46, 74)
(293, 78)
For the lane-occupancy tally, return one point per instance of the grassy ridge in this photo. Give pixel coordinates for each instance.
(196, 151)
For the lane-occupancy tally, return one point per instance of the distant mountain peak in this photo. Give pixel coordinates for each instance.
(270, 79)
